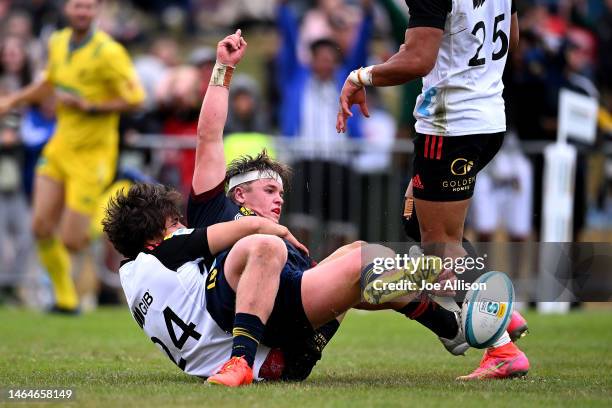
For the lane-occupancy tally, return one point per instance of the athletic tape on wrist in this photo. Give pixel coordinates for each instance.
(361, 76)
(221, 75)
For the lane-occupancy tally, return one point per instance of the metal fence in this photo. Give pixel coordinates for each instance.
(331, 200)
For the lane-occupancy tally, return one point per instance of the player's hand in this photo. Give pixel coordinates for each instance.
(297, 244)
(351, 95)
(73, 101)
(231, 49)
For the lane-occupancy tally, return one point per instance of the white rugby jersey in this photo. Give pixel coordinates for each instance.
(165, 288)
(462, 95)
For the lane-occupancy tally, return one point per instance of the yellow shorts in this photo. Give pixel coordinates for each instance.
(95, 228)
(85, 174)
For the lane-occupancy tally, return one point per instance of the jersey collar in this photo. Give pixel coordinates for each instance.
(72, 46)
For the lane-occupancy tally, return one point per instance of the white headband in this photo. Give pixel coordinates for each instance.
(252, 176)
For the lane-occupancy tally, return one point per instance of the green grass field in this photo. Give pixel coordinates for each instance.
(377, 359)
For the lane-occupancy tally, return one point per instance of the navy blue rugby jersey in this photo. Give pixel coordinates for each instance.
(213, 207)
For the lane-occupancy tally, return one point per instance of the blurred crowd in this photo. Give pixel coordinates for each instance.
(300, 52)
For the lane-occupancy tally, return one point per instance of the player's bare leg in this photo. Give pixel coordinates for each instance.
(441, 225)
(74, 230)
(48, 204)
(343, 250)
(331, 289)
(252, 269)
(75, 233)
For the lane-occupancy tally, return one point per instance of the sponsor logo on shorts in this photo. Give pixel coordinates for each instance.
(461, 166)
(462, 184)
(417, 183)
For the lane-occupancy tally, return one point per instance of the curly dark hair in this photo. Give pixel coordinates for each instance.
(261, 162)
(140, 215)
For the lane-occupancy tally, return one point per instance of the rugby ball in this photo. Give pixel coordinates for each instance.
(487, 309)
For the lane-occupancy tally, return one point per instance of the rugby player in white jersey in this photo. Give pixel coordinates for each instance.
(459, 48)
(164, 274)
(257, 299)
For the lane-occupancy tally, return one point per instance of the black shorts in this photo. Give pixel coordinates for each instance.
(287, 324)
(445, 167)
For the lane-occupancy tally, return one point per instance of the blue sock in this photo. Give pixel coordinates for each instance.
(248, 331)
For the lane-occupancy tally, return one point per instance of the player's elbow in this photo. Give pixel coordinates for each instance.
(207, 133)
(417, 66)
(423, 64)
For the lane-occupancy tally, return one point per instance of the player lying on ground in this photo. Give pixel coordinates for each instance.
(459, 48)
(258, 297)
(255, 186)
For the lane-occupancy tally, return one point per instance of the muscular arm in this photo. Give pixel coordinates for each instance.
(223, 235)
(210, 160)
(418, 55)
(415, 59)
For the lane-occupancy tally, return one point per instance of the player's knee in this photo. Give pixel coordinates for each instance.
(441, 234)
(75, 242)
(357, 244)
(360, 257)
(267, 247)
(373, 253)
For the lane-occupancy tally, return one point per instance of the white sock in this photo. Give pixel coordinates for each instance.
(502, 341)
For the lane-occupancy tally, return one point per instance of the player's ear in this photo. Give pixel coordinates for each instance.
(239, 195)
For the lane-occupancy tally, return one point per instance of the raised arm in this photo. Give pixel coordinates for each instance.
(210, 160)
(225, 234)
